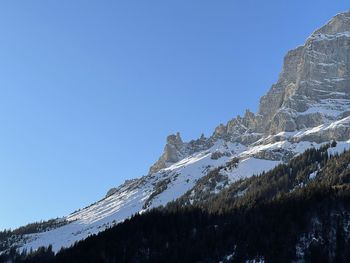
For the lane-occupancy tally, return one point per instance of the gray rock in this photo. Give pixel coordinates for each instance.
(312, 89)
(111, 192)
(175, 150)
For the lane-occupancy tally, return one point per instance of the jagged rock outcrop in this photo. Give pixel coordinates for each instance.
(111, 191)
(312, 89)
(314, 86)
(308, 105)
(175, 150)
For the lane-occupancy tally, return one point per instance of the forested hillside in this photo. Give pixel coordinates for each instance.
(297, 212)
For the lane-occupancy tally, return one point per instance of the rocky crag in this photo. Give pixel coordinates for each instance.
(313, 90)
(309, 105)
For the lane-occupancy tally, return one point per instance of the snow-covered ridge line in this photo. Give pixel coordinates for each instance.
(131, 198)
(308, 106)
(178, 179)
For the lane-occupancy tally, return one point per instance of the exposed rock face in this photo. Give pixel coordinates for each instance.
(307, 106)
(313, 89)
(314, 86)
(175, 150)
(111, 191)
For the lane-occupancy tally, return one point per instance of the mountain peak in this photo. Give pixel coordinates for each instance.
(312, 89)
(174, 139)
(340, 23)
(308, 106)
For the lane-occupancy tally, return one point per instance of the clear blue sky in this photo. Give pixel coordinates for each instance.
(90, 89)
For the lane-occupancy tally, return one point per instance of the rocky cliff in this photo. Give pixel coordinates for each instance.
(312, 90)
(308, 106)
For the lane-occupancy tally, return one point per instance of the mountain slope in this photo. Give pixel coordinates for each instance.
(307, 107)
(297, 212)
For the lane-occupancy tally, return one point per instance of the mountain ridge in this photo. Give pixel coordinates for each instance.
(297, 212)
(308, 106)
(277, 106)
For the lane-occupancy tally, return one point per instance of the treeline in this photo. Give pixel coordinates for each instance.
(270, 231)
(297, 212)
(283, 179)
(8, 236)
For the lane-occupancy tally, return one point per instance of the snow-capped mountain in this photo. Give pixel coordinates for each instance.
(309, 105)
